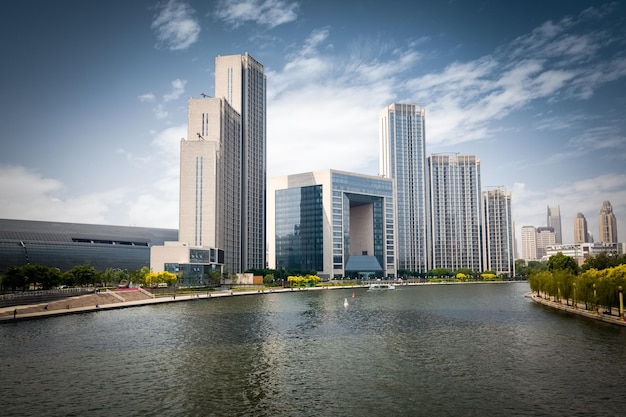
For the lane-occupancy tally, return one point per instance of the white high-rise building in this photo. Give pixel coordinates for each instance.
(403, 158)
(607, 224)
(529, 243)
(498, 232)
(210, 179)
(455, 211)
(581, 234)
(554, 221)
(222, 178)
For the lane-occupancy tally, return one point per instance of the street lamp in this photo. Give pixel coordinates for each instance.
(621, 302)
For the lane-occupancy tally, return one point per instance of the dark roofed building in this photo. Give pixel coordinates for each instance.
(65, 245)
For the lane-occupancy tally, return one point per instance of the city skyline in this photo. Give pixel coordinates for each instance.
(92, 123)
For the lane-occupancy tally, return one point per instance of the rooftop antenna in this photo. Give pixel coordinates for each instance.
(203, 95)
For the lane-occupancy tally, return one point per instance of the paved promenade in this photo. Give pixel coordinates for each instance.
(121, 299)
(577, 309)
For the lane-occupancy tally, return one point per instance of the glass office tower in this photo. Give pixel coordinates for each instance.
(402, 158)
(334, 223)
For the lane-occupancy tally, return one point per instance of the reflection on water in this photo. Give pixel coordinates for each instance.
(430, 350)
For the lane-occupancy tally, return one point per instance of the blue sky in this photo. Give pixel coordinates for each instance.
(94, 96)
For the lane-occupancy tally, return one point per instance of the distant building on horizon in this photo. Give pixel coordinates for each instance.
(403, 158)
(581, 234)
(545, 237)
(529, 243)
(554, 221)
(607, 223)
(455, 211)
(498, 232)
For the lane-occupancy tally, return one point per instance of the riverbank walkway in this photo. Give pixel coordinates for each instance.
(577, 308)
(109, 300)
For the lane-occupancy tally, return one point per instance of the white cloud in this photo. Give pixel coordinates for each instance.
(178, 88)
(328, 110)
(34, 197)
(175, 26)
(160, 112)
(31, 196)
(270, 13)
(146, 98)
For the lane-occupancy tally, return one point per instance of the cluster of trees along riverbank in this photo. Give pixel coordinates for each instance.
(43, 277)
(597, 283)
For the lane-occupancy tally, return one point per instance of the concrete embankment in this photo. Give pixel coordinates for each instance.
(122, 299)
(579, 309)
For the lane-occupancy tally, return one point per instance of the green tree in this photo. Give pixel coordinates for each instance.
(603, 260)
(535, 266)
(85, 274)
(564, 282)
(440, 272)
(540, 282)
(563, 262)
(214, 278)
(268, 279)
(113, 276)
(14, 278)
(139, 275)
(521, 268)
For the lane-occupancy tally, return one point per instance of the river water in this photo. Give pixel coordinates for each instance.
(435, 350)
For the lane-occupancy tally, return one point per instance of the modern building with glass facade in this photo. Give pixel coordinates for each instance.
(498, 232)
(455, 211)
(332, 223)
(65, 245)
(403, 158)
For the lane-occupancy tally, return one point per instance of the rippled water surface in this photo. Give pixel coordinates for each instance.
(440, 350)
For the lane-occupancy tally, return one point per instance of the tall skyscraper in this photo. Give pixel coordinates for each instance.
(210, 179)
(607, 224)
(403, 158)
(222, 179)
(581, 234)
(498, 232)
(554, 221)
(241, 81)
(455, 211)
(529, 243)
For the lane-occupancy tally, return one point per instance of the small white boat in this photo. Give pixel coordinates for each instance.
(345, 302)
(381, 286)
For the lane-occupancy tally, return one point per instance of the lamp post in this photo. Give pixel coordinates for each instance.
(621, 302)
